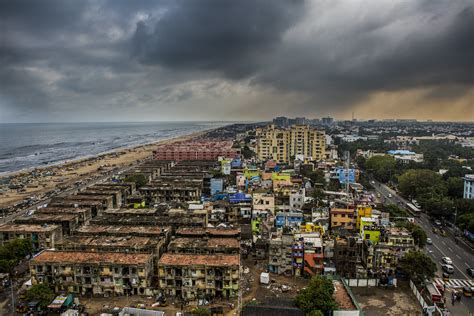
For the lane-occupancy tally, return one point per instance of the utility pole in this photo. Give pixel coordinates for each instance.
(12, 285)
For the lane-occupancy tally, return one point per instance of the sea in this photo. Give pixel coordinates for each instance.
(29, 145)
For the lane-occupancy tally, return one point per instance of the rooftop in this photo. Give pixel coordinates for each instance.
(208, 231)
(91, 257)
(123, 229)
(27, 228)
(116, 241)
(205, 260)
(209, 243)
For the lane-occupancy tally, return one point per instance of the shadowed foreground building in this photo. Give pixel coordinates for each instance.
(96, 273)
(193, 276)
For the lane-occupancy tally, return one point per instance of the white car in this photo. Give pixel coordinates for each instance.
(447, 260)
(390, 195)
(429, 241)
(448, 268)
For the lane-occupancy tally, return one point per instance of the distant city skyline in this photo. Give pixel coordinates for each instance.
(90, 61)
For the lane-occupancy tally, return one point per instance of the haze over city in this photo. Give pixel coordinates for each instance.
(64, 61)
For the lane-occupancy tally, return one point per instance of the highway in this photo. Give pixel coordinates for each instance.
(461, 256)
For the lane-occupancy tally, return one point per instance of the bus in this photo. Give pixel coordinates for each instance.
(415, 211)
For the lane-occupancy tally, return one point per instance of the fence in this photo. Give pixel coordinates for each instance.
(368, 282)
(433, 309)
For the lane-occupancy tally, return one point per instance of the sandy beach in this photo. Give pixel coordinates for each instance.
(44, 180)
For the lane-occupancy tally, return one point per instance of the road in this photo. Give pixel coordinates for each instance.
(442, 246)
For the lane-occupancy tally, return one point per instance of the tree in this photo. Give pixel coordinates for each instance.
(139, 179)
(247, 153)
(417, 265)
(418, 234)
(317, 176)
(455, 186)
(438, 207)
(382, 167)
(13, 252)
(41, 293)
(421, 182)
(317, 297)
(201, 311)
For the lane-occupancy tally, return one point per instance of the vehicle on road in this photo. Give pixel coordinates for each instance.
(448, 268)
(434, 230)
(390, 195)
(438, 223)
(372, 182)
(470, 272)
(413, 209)
(445, 277)
(429, 241)
(442, 232)
(433, 292)
(447, 260)
(468, 291)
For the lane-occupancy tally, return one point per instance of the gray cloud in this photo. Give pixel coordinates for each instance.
(216, 58)
(230, 37)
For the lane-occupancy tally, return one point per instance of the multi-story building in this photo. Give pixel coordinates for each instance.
(195, 150)
(394, 243)
(342, 218)
(96, 273)
(282, 145)
(290, 219)
(313, 253)
(263, 202)
(68, 222)
(280, 254)
(192, 276)
(41, 236)
(469, 186)
(348, 256)
(204, 245)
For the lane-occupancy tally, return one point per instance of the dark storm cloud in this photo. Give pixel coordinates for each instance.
(230, 37)
(70, 55)
(416, 44)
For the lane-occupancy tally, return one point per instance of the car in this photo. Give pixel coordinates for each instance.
(390, 195)
(448, 268)
(429, 241)
(443, 233)
(438, 223)
(470, 272)
(447, 260)
(468, 290)
(434, 230)
(445, 277)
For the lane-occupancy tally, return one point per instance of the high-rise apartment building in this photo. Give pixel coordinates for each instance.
(282, 144)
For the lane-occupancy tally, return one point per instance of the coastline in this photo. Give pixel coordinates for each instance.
(64, 174)
(80, 159)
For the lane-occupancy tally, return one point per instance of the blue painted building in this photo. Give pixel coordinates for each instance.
(217, 185)
(288, 219)
(346, 176)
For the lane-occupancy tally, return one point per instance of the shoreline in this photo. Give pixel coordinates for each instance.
(48, 179)
(62, 163)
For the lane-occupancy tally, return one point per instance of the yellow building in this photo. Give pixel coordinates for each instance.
(283, 144)
(362, 211)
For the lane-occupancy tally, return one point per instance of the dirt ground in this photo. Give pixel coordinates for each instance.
(96, 305)
(253, 290)
(387, 301)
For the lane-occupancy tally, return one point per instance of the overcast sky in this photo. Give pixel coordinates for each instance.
(235, 60)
